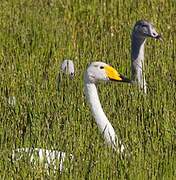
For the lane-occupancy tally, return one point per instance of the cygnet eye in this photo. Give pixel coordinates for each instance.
(101, 67)
(144, 26)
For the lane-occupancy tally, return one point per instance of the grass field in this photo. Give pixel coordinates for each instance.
(35, 37)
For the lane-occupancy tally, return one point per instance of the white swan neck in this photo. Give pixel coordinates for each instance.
(99, 115)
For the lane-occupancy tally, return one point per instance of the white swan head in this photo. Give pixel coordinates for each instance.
(144, 29)
(99, 71)
(67, 67)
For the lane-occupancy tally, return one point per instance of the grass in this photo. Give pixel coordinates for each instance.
(35, 37)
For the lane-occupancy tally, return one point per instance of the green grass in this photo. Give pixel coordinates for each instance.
(35, 37)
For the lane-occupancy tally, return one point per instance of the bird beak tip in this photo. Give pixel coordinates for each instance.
(125, 79)
(159, 37)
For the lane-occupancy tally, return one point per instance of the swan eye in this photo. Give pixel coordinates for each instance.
(101, 67)
(144, 26)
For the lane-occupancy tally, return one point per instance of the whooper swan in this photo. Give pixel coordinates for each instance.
(142, 29)
(99, 71)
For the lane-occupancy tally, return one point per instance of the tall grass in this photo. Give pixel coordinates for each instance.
(35, 36)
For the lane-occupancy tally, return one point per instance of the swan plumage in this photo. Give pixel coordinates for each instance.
(99, 71)
(142, 29)
(67, 67)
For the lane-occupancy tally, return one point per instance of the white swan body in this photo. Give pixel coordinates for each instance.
(141, 31)
(50, 159)
(101, 71)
